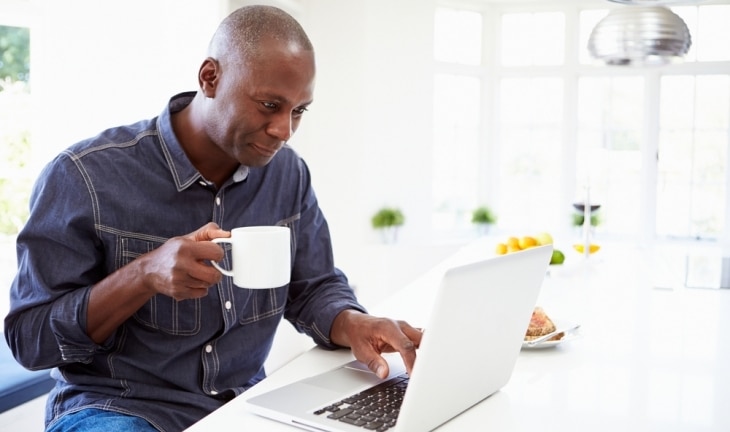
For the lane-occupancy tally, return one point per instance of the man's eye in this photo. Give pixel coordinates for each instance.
(269, 105)
(300, 110)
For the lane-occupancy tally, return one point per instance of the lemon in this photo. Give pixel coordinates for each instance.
(513, 244)
(514, 248)
(501, 249)
(544, 238)
(591, 249)
(527, 242)
(557, 258)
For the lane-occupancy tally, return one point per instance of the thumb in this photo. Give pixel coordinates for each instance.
(208, 232)
(379, 366)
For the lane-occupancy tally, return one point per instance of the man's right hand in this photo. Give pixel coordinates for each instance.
(179, 269)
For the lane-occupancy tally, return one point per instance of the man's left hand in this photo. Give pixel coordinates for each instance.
(369, 336)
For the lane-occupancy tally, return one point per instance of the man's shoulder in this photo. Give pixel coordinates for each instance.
(112, 150)
(124, 136)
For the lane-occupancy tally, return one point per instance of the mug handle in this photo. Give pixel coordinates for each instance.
(215, 264)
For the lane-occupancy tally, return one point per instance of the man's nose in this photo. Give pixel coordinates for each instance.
(282, 127)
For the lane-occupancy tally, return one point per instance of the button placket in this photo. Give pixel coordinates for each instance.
(218, 207)
(207, 361)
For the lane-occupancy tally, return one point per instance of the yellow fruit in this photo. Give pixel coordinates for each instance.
(591, 249)
(544, 238)
(513, 243)
(527, 242)
(501, 249)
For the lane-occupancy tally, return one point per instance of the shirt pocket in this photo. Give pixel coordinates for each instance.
(162, 313)
(258, 304)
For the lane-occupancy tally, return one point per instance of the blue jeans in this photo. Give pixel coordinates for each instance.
(93, 420)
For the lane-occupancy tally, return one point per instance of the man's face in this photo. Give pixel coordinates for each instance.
(257, 106)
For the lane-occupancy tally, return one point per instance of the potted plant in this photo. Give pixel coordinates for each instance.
(387, 220)
(483, 217)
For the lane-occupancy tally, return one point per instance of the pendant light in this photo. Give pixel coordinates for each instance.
(640, 35)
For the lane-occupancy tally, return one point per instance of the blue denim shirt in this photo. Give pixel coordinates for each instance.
(107, 200)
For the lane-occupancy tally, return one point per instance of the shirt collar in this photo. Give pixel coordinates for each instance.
(182, 170)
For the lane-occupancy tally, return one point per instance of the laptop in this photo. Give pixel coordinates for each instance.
(468, 352)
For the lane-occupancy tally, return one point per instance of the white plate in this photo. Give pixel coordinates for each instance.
(542, 345)
(551, 343)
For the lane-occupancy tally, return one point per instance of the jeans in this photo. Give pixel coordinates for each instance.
(96, 420)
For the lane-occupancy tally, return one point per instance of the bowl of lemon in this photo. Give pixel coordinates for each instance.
(518, 243)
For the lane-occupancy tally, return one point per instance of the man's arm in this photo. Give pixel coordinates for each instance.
(56, 317)
(177, 269)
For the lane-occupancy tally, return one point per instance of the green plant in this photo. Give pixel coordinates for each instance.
(483, 215)
(578, 219)
(387, 217)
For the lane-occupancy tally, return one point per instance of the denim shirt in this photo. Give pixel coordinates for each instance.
(107, 200)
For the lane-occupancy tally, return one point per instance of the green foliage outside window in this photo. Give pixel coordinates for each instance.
(15, 139)
(14, 53)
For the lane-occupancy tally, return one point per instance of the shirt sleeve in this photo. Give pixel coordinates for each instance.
(318, 290)
(59, 259)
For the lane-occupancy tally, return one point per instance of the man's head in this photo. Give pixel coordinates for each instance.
(257, 82)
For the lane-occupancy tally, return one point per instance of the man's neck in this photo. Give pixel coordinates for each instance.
(210, 161)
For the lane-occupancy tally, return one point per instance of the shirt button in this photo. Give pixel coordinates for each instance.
(208, 348)
(213, 392)
(218, 200)
(228, 305)
(203, 183)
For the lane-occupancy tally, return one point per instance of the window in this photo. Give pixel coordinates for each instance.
(457, 108)
(456, 134)
(532, 39)
(530, 119)
(608, 158)
(647, 143)
(458, 36)
(15, 176)
(692, 162)
(15, 135)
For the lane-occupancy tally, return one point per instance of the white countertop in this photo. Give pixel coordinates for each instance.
(646, 357)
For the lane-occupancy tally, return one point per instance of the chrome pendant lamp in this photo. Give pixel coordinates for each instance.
(643, 33)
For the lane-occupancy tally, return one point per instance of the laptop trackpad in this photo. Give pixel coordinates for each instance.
(349, 377)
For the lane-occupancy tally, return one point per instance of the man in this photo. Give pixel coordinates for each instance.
(114, 288)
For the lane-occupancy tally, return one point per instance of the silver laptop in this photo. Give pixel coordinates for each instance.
(469, 349)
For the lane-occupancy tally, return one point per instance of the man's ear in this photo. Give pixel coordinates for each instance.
(208, 77)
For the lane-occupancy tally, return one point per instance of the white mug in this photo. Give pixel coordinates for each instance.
(260, 256)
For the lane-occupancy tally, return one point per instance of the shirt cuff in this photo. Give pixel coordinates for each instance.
(322, 327)
(68, 323)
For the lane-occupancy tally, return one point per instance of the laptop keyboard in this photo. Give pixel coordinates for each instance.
(374, 409)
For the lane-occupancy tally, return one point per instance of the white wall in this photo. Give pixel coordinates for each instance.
(98, 64)
(367, 137)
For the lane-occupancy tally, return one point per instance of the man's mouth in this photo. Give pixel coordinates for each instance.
(264, 150)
